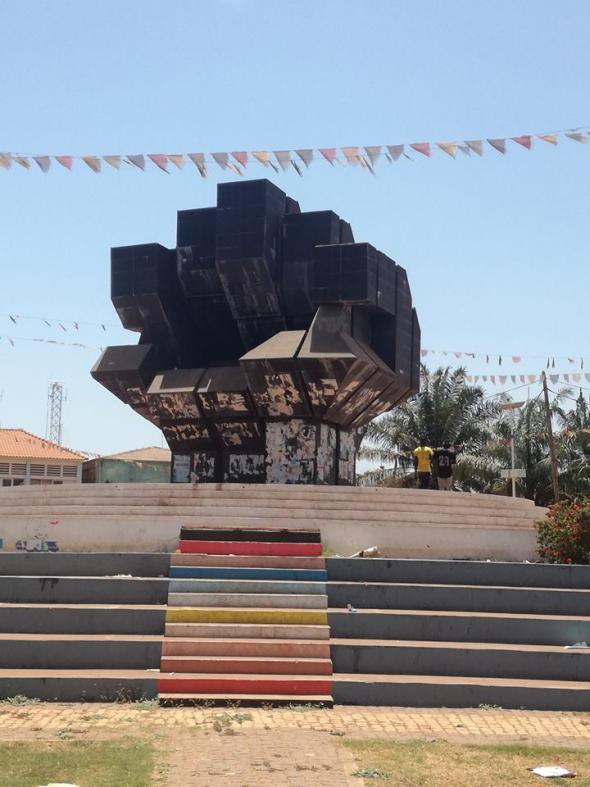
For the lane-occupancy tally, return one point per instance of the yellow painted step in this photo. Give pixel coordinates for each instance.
(239, 615)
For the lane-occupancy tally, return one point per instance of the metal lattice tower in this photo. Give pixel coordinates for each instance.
(55, 398)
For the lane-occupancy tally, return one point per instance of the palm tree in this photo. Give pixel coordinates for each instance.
(446, 409)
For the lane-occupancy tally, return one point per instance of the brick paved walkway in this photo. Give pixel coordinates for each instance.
(290, 747)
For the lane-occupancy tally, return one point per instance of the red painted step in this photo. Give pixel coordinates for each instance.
(229, 665)
(244, 684)
(250, 548)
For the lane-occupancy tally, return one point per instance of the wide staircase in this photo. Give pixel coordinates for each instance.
(81, 626)
(459, 633)
(246, 619)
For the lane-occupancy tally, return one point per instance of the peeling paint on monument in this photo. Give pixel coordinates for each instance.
(268, 337)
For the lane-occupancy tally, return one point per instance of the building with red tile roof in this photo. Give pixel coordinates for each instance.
(28, 459)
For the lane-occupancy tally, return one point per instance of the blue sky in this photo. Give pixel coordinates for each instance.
(496, 248)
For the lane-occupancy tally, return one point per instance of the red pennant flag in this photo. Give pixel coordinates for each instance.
(532, 378)
(241, 157)
(329, 154)
(93, 162)
(422, 147)
(160, 160)
(526, 141)
(498, 144)
(177, 159)
(65, 161)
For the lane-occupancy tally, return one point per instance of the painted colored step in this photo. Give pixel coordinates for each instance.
(229, 665)
(249, 548)
(272, 600)
(272, 648)
(196, 683)
(247, 700)
(250, 534)
(218, 572)
(226, 615)
(263, 631)
(248, 561)
(245, 586)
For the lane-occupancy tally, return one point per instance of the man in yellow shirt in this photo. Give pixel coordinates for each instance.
(422, 458)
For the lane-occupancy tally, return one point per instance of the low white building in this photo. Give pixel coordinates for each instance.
(28, 459)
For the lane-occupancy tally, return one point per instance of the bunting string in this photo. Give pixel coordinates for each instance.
(569, 378)
(363, 157)
(506, 358)
(12, 341)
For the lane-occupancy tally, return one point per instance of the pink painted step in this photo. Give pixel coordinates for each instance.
(207, 683)
(277, 648)
(248, 561)
(250, 548)
(246, 665)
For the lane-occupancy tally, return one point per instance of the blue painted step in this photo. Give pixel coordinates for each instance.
(213, 572)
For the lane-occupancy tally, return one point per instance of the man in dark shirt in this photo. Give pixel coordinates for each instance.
(443, 460)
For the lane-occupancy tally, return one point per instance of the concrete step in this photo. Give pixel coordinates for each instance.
(212, 683)
(76, 651)
(458, 572)
(257, 631)
(79, 685)
(230, 665)
(219, 572)
(460, 692)
(84, 564)
(82, 618)
(389, 657)
(248, 561)
(249, 548)
(272, 648)
(246, 585)
(82, 590)
(459, 626)
(272, 600)
(188, 533)
(309, 617)
(464, 598)
(247, 700)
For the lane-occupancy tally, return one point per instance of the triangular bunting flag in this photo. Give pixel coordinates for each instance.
(554, 378)
(421, 147)
(261, 156)
(160, 160)
(498, 144)
(525, 140)
(5, 160)
(373, 152)
(566, 377)
(532, 378)
(577, 136)
(493, 378)
(351, 155)
(395, 151)
(576, 377)
(284, 158)
(516, 359)
(44, 162)
(450, 148)
(366, 165)
(503, 378)
(241, 157)
(177, 159)
(469, 378)
(465, 149)
(235, 168)
(198, 160)
(297, 168)
(551, 138)
(458, 354)
(114, 161)
(137, 160)
(484, 378)
(65, 161)
(93, 162)
(23, 161)
(476, 378)
(522, 378)
(476, 145)
(306, 156)
(329, 154)
(513, 378)
(221, 159)
(423, 353)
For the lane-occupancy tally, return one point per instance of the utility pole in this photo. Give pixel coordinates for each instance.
(552, 456)
(55, 398)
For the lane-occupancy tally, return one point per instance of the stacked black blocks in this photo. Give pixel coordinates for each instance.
(268, 337)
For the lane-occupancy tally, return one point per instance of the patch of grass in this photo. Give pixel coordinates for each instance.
(147, 704)
(127, 762)
(486, 706)
(444, 764)
(19, 699)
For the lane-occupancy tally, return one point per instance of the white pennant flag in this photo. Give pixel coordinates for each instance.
(263, 156)
(373, 152)
(221, 159)
(465, 149)
(305, 155)
(577, 136)
(450, 148)
(475, 145)
(137, 161)
(198, 160)
(395, 151)
(284, 158)
(114, 161)
(44, 162)
(498, 144)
